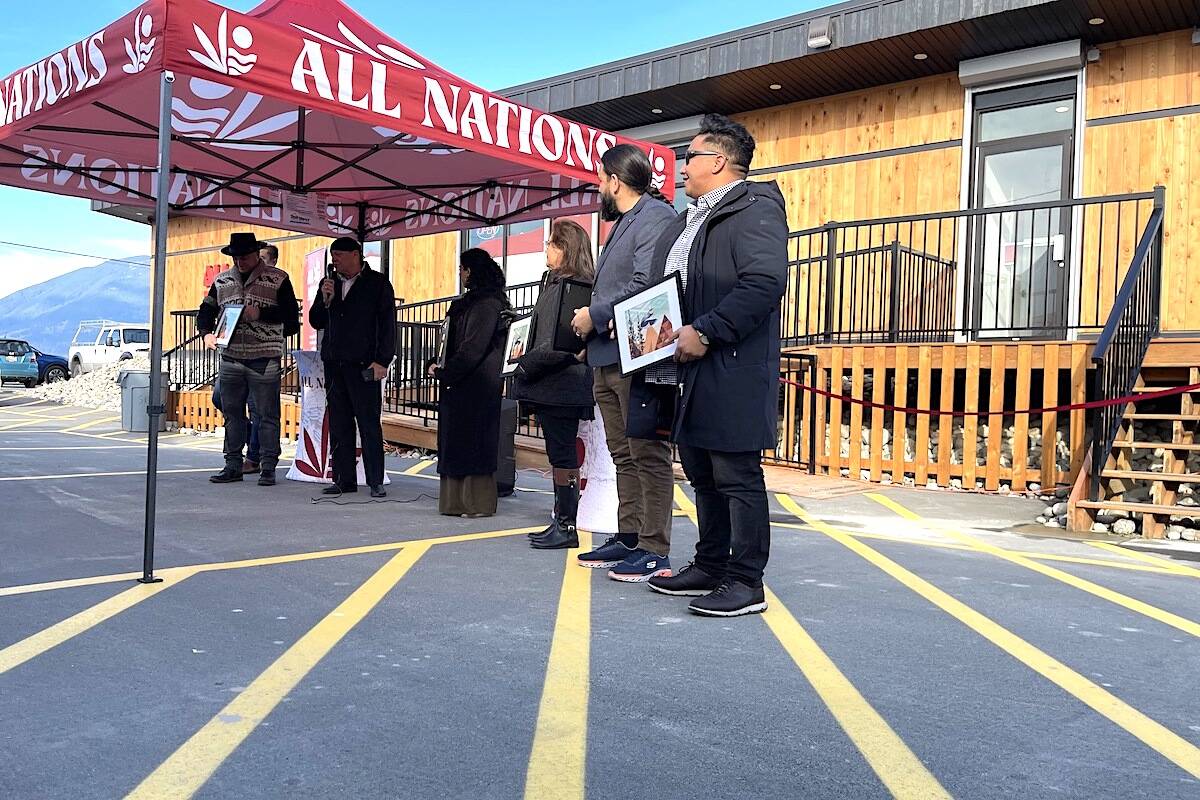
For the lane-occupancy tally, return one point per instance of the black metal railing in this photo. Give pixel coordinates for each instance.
(522, 296)
(1132, 324)
(1029, 271)
(191, 365)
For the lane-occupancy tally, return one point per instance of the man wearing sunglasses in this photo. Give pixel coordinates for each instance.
(730, 250)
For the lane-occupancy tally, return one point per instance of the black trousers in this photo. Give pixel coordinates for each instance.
(731, 511)
(352, 400)
(561, 429)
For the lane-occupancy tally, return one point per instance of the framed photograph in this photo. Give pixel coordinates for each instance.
(645, 323)
(443, 343)
(517, 343)
(575, 294)
(227, 323)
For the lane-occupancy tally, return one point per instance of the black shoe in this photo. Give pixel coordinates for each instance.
(227, 475)
(335, 489)
(378, 491)
(266, 478)
(560, 539)
(546, 531)
(562, 533)
(730, 599)
(691, 581)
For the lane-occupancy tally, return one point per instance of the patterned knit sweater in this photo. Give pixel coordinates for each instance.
(267, 288)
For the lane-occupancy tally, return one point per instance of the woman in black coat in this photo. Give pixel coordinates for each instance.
(469, 401)
(557, 386)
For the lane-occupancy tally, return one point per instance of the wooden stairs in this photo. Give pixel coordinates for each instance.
(1153, 470)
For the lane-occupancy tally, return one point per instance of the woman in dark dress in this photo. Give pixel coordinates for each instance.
(469, 402)
(557, 386)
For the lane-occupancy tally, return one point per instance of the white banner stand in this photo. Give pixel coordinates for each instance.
(314, 461)
(598, 478)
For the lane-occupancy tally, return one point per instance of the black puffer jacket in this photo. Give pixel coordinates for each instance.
(545, 376)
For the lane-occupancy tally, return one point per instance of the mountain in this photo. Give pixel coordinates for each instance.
(48, 313)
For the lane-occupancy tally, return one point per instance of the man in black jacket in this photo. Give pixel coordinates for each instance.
(730, 249)
(357, 311)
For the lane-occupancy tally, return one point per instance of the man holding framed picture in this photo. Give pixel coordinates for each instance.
(730, 252)
(644, 475)
(250, 360)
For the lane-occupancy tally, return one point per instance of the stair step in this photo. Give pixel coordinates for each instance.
(1165, 417)
(1152, 389)
(1155, 446)
(1143, 508)
(1135, 475)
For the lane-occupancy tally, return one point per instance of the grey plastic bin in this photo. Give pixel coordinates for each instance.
(135, 396)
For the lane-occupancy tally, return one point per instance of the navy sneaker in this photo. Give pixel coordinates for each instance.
(612, 552)
(639, 566)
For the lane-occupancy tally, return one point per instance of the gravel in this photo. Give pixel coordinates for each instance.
(96, 389)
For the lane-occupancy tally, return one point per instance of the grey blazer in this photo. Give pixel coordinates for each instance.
(624, 268)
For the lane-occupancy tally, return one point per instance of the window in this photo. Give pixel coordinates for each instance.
(137, 336)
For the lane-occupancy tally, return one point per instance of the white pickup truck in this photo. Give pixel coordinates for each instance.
(100, 341)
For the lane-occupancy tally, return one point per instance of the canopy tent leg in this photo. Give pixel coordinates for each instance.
(156, 406)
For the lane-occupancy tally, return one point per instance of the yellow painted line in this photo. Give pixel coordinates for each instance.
(896, 765)
(91, 424)
(1095, 562)
(1164, 563)
(14, 425)
(1153, 734)
(420, 467)
(558, 760)
(1104, 593)
(289, 558)
(190, 767)
(17, 654)
(684, 502)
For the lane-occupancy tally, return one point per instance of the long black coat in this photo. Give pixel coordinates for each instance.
(545, 376)
(469, 404)
(737, 274)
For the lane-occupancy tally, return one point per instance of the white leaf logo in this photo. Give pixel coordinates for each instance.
(659, 165)
(142, 47)
(222, 58)
(383, 52)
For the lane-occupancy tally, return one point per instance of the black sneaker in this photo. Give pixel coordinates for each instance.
(730, 599)
(267, 478)
(378, 491)
(335, 489)
(691, 581)
(227, 475)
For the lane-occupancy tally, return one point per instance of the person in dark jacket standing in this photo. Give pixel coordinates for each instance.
(471, 384)
(645, 479)
(730, 249)
(357, 311)
(558, 385)
(250, 364)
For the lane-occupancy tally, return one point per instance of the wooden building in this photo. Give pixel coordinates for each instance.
(995, 206)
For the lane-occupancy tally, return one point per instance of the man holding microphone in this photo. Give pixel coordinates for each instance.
(357, 311)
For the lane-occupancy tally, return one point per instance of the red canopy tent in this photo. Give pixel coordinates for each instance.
(299, 115)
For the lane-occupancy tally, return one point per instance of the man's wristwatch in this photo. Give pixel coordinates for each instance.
(704, 340)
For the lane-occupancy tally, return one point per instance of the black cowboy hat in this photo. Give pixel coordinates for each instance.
(242, 244)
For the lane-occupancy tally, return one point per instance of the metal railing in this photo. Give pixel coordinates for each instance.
(191, 365)
(1132, 324)
(1029, 271)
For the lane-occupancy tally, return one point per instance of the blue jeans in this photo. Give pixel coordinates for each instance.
(240, 381)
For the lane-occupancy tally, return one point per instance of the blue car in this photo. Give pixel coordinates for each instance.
(23, 363)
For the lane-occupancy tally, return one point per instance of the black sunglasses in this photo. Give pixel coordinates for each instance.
(690, 154)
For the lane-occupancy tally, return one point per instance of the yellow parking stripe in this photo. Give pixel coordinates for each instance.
(1104, 593)
(91, 424)
(419, 467)
(189, 767)
(896, 765)
(1163, 563)
(17, 654)
(558, 760)
(1154, 735)
(265, 561)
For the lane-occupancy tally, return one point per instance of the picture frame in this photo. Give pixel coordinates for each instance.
(227, 323)
(644, 320)
(575, 294)
(443, 344)
(517, 343)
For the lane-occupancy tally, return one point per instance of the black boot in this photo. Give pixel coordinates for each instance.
(566, 494)
(552, 527)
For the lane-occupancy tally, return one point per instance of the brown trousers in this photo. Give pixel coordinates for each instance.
(645, 481)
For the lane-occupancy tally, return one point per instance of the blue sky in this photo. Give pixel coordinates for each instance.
(529, 40)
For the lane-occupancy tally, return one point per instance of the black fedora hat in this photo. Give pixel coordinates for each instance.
(242, 244)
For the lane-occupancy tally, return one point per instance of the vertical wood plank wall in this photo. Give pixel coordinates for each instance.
(194, 409)
(974, 450)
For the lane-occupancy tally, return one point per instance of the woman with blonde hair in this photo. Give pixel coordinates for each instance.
(557, 386)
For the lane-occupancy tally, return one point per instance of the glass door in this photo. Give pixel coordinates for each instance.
(1023, 154)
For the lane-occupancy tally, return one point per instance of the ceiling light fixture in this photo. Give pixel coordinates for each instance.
(920, 56)
(1096, 21)
(776, 87)
(1063, 109)
(656, 111)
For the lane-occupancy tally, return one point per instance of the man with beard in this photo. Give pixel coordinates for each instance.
(644, 477)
